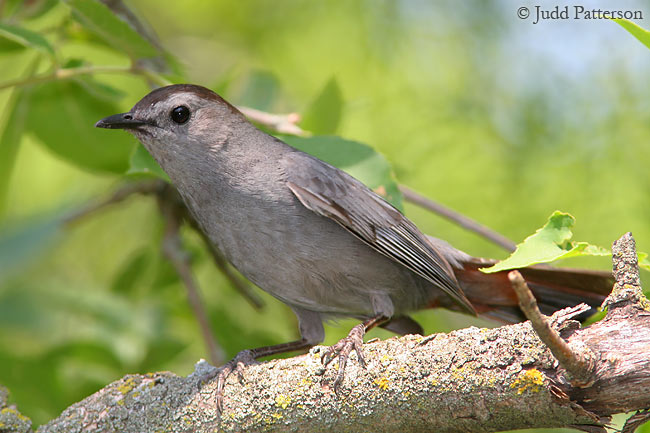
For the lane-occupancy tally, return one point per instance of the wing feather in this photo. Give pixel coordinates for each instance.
(334, 194)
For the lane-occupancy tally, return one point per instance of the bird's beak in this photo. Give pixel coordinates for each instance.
(119, 121)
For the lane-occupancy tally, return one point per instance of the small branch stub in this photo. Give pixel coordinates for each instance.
(627, 289)
(579, 366)
(282, 123)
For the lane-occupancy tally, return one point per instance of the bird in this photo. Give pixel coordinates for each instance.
(316, 238)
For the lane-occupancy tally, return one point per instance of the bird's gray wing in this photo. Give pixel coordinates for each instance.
(334, 194)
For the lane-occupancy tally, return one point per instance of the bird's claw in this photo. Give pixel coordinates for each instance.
(342, 349)
(221, 374)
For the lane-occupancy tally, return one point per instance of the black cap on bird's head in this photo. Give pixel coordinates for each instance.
(174, 101)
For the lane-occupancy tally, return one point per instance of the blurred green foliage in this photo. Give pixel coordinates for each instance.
(459, 97)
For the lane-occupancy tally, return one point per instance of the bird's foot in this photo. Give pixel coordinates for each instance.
(237, 365)
(342, 349)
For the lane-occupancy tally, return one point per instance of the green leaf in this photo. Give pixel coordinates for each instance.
(21, 9)
(8, 46)
(21, 244)
(35, 9)
(224, 81)
(160, 352)
(164, 276)
(26, 38)
(77, 337)
(324, 114)
(62, 115)
(357, 159)
(98, 18)
(637, 31)
(643, 260)
(131, 273)
(142, 163)
(262, 88)
(99, 90)
(10, 140)
(551, 242)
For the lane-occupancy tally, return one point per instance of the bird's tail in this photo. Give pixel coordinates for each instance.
(554, 288)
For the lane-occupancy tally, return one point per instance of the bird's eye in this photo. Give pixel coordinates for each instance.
(180, 114)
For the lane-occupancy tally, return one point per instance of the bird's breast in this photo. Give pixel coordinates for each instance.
(298, 256)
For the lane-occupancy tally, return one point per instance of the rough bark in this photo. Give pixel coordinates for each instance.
(12, 421)
(473, 379)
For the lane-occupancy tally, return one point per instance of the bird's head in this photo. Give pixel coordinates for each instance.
(179, 119)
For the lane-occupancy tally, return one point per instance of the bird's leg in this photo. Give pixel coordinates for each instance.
(353, 341)
(246, 358)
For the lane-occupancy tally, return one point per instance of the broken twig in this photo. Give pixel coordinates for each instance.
(579, 366)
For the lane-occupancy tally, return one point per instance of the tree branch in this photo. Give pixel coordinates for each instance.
(66, 73)
(578, 365)
(117, 196)
(457, 218)
(467, 380)
(12, 421)
(177, 256)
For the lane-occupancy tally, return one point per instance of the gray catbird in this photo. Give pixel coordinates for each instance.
(316, 238)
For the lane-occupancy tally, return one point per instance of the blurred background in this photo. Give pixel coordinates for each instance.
(496, 117)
